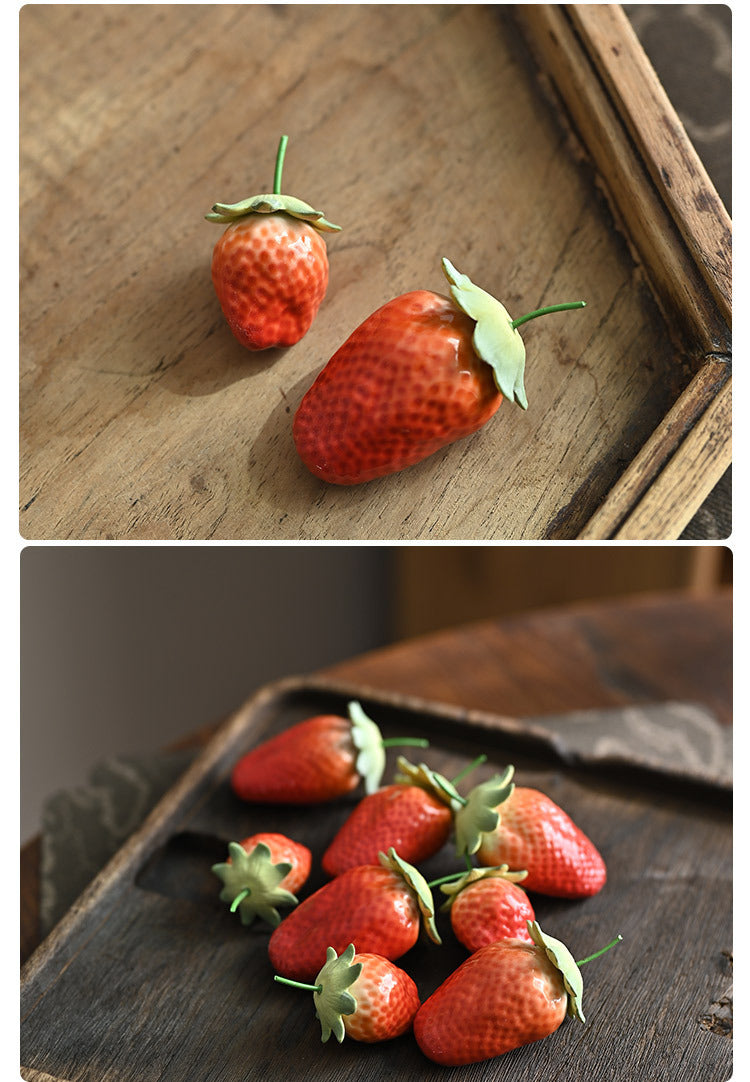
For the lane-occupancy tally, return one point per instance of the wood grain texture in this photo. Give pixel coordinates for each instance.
(592, 655)
(661, 138)
(141, 418)
(150, 977)
(664, 445)
(695, 469)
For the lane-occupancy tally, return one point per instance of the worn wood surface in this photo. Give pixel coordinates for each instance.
(424, 131)
(680, 234)
(151, 977)
(660, 136)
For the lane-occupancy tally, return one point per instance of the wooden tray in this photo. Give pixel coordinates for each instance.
(150, 977)
(532, 145)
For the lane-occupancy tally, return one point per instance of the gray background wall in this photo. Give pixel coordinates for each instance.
(126, 649)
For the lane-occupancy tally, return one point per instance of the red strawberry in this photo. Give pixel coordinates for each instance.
(270, 266)
(314, 761)
(413, 815)
(263, 872)
(364, 996)
(506, 824)
(420, 372)
(378, 907)
(486, 905)
(505, 995)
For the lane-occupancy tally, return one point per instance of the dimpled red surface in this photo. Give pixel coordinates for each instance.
(536, 834)
(270, 273)
(404, 384)
(309, 763)
(368, 906)
(387, 1000)
(505, 995)
(488, 910)
(402, 816)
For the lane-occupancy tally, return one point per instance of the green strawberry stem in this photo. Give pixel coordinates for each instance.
(468, 769)
(450, 878)
(566, 307)
(405, 741)
(239, 899)
(279, 164)
(299, 984)
(598, 954)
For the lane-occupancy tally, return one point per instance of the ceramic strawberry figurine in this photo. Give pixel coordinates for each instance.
(422, 371)
(261, 873)
(486, 904)
(363, 996)
(414, 815)
(316, 760)
(381, 908)
(270, 266)
(503, 823)
(507, 994)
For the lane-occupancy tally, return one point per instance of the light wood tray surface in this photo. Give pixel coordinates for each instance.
(532, 146)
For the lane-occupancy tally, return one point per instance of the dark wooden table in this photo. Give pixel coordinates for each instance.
(646, 649)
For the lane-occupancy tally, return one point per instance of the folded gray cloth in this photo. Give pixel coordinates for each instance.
(85, 826)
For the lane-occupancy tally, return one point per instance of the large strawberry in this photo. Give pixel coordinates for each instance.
(378, 907)
(414, 815)
(420, 372)
(262, 872)
(486, 904)
(363, 996)
(316, 760)
(507, 994)
(270, 266)
(503, 823)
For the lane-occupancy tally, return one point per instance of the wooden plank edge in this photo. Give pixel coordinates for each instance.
(654, 125)
(661, 448)
(155, 828)
(29, 1074)
(688, 477)
(675, 280)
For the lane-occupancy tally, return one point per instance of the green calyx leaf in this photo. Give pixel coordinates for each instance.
(425, 778)
(495, 339)
(419, 887)
(368, 740)
(473, 876)
(270, 203)
(332, 1000)
(257, 875)
(563, 960)
(479, 814)
(273, 203)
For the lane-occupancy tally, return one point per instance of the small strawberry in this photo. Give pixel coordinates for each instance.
(262, 872)
(270, 266)
(379, 907)
(486, 905)
(414, 815)
(315, 761)
(507, 994)
(506, 824)
(363, 996)
(420, 372)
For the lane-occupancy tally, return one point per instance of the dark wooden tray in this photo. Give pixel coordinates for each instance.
(150, 977)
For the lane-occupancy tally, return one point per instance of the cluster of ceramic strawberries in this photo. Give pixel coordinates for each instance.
(422, 371)
(340, 942)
